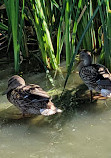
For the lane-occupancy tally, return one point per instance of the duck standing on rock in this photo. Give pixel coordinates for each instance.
(95, 76)
(30, 99)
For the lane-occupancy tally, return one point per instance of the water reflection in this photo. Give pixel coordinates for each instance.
(81, 131)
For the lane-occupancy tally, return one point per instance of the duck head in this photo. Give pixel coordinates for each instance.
(14, 82)
(85, 59)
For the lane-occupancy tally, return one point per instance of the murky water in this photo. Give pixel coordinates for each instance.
(82, 132)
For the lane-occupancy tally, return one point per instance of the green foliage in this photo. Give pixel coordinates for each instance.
(43, 32)
(58, 24)
(3, 27)
(106, 23)
(15, 27)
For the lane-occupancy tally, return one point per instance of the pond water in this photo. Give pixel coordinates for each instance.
(81, 131)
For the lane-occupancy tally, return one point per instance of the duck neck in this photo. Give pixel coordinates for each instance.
(84, 63)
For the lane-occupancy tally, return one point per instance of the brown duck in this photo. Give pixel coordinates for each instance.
(95, 76)
(30, 99)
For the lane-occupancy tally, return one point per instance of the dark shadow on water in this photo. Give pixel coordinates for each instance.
(77, 100)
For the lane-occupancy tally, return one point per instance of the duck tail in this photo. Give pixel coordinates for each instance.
(106, 93)
(50, 110)
(51, 105)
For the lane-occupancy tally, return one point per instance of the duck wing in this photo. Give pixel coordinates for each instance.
(35, 92)
(96, 75)
(104, 76)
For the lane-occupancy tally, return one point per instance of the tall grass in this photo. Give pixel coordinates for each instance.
(15, 21)
(3, 27)
(67, 32)
(60, 37)
(39, 20)
(67, 24)
(106, 24)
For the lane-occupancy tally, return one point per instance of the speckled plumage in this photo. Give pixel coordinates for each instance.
(95, 76)
(30, 99)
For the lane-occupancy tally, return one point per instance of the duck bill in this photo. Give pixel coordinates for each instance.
(77, 61)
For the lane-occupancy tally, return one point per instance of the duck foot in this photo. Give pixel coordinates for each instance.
(91, 96)
(99, 97)
(96, 97)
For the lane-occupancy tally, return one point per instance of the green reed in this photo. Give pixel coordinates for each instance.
(40, 22)
(105, 16)
(3, 27)
(15, 27)
(69, 23)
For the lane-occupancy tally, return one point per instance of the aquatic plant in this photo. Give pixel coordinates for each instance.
(105, 15)
(15, 23)
(62, 28)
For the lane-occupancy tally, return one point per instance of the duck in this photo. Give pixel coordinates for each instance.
(95, 76)
(29, 99)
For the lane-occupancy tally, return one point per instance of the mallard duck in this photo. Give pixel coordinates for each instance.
(30, 99)
(95, 76)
